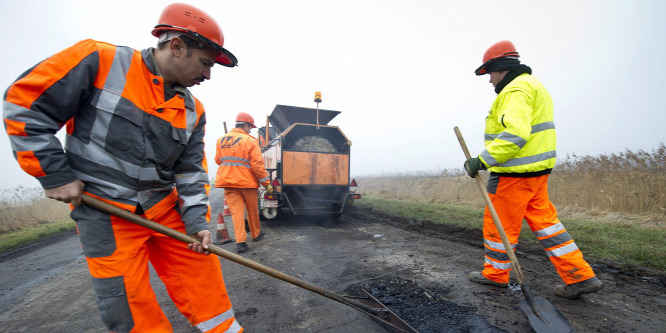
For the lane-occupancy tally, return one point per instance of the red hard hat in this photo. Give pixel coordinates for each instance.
(498, 50)
(199, 25)
(245, 117)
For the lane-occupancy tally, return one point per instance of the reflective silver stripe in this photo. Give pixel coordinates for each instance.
(496, 245)
(553, 229)
(528, 159)
(499, 265)
(235, 327)
(562, 250)
(144, 196)
(535, 129)
(96, 153)
(113, 190)
(34, 143)
(193, 200)
(235, 164)
(117, 76)
(262, 179)
(554, 241)
(543, 126)
(107, 101)
(502, 256)
(192, 116)
(516, 140)
(490, 160)
(150, 173)
(234, 158)
(215, 321)
(20, 114)
(191, 178)
(109, 96)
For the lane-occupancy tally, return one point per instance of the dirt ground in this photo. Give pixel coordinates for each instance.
(418, 269)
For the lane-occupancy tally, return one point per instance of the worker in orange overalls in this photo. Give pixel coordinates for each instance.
(520, 154)
(134, 139)
(240, 173)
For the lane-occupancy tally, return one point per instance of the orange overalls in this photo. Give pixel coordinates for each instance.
(240, 173)
(515, 199)
(139, 145)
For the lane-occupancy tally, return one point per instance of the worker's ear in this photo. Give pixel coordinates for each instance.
(177, 47)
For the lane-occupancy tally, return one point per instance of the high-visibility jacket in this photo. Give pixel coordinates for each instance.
(520, 129)
(130, 139)
(241, 164)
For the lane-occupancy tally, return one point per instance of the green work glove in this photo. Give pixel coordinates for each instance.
(473, 165)
(269, 188)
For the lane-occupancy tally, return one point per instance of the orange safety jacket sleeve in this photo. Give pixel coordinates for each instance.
(130, 139)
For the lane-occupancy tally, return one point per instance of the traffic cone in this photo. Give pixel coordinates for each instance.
(222, 236)
(226, 211)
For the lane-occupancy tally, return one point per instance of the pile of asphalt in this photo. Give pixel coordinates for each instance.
(424, 310)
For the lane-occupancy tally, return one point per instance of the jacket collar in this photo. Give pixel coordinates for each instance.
(238, 130)
(512, 74)
(149, 59)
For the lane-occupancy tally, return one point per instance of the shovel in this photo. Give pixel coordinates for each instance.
(543, 316)
(368, 304)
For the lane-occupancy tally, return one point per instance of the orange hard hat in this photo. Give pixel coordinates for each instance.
(198, 25)
(498, 50)
(246, 118)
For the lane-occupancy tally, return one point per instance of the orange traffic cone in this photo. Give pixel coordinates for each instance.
(222, 236)
(226, 211)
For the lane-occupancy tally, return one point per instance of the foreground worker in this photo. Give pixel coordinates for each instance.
(520, 154)
(240, 173)
(134, 139)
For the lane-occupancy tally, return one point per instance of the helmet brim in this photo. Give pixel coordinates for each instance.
(482, 69)
(226, 58)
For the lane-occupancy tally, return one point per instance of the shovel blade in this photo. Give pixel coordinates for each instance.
(547, 319)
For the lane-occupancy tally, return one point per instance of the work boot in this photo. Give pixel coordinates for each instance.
(241, 247)
(261, 235)
(574, 290)
(479, 278)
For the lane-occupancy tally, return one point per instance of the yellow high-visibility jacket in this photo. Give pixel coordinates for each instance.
(520, 130)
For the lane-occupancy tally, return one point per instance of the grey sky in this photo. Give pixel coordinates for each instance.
(400, 72)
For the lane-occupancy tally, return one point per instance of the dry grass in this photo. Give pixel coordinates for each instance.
(627, 187)
(22, 208)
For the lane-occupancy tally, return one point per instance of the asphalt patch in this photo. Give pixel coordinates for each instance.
(425, 310)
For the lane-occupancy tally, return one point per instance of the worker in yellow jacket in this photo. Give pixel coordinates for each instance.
(520, 154)
(240, 173)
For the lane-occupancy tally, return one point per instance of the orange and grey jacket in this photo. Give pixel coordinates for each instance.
(241, 164)
(130, 139)
(520, 130)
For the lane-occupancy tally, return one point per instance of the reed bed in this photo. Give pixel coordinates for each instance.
(625, 186)
(22, 208)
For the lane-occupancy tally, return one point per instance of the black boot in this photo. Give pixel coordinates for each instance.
(241, 247)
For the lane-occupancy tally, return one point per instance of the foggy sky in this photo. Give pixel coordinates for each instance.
(400, 72)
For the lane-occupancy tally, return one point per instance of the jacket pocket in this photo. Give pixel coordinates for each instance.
(122, 122)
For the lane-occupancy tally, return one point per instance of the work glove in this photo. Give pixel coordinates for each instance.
(473, 165)
(269, 188)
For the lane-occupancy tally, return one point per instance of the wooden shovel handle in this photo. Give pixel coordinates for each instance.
(498, 224)
(152, 225)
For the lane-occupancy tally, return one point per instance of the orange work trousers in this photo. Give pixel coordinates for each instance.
(515, 199)
(118, 253)
(239, 200)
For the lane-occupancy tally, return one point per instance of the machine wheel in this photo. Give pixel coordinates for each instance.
(269, 212)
